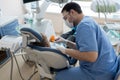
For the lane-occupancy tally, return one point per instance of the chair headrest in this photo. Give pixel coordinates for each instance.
(34, 34)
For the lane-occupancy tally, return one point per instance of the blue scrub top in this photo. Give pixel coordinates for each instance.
(91, 37)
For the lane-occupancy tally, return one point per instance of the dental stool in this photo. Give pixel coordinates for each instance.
(117, 77)
(48, 60)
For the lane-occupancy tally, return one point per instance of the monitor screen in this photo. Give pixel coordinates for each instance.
(27, 1)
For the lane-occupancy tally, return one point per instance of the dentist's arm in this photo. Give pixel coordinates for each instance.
(70, 44)
(90, 56)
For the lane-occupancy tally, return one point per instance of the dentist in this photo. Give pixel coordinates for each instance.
(96, 55)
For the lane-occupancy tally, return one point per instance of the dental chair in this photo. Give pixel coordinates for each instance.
(48, 60)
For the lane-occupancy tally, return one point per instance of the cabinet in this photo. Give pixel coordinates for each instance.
(8, 25)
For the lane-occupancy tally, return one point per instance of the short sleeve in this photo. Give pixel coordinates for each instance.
(86, 38)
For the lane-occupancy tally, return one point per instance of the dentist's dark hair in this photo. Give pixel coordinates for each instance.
(72, 5)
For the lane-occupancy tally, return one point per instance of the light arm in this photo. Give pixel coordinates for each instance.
(44, 5)
(40, 10)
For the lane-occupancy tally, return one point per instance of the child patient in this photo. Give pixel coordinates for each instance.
(46, 43)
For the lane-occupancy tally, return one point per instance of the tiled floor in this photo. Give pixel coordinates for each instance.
(25, 69)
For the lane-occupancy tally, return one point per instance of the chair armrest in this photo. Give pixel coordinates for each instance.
(71, 61)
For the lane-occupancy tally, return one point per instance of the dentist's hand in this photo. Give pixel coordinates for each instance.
(61, 49)
(60, 40)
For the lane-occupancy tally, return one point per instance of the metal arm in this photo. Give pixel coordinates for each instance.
(40, 9)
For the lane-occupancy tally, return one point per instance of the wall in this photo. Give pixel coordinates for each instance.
(15, 8)
(12, 8)
(57, 21)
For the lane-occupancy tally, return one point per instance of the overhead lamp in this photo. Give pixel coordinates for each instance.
(104, 6)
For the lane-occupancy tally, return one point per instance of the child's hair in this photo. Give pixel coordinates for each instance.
(43, 43)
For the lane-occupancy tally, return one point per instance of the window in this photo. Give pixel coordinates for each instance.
(86, 7)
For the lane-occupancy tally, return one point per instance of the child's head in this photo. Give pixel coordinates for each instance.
(43, 43)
